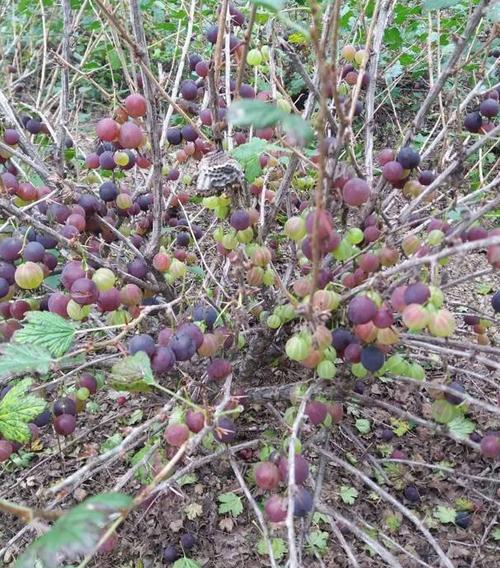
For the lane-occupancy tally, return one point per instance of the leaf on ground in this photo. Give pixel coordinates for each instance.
(17, 410)
(193, 510)
(278, 546)
(445, 515)
(362, 425)
(74, 534)
(230, 503)
(47, 330)
(348, 494)
(461, 426)
(17, 359)
(132, 374)
(186, 563)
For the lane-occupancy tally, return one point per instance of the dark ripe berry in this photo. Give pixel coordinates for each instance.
(495, 302)
(187, 541)
(455, 398)
(490, 446)
(33, 126)
(489, 108)
(11, 136)
(34, 251)
(398, 455)
(408, 158)
(163, 360)
(386, 434)
(205, 313)
(301, 469)
(247, 91)
(195, 421)
(470, 319)
(19, 308)
(89, 382)
(225, 430)
(108, 191)
(170, 554)
(417, 293)
(393, 171)
(135, 105)
(193, 331)
(43, 419)
(182, 239)
(240, 220)
(463, 519)
(372, 358)
(174, 136)
(176, 434)
(267, 476)
(64, 405)
(183, 346)
(131, 295)
(383, 318)
(194, 59)
(201, 69)
(6, 450)
(473, 122)
(7, 271)
(107, 161)
(219, 369)
(369, 262)
(9, 182)
(189, 90)
(137, 268)
(130, 136)
(84, 291)
(189, 133)
(206, 117)
(341, 338)
(4, 287)
(237, 18)
(92, 161)
(386, 155)
(316, 411)
(356, 192)
(65, 424)
(10, 248)
(302, 502)
(275, 509)
(426, 177)
(109, 300)
(142, 342)
(411, 493)
(361, 310)
(352, 353)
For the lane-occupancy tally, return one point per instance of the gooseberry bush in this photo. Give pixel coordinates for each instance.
(268, 252)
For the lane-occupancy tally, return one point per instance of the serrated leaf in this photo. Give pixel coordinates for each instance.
(187, 479)
(230, 503)
(17, 410)
(439, 4)
(248, 155)
(445, 515)
(443, 411)
(47, 330)
(132, 374)
(496, 534)
(18, 359)
(362, 425)
(74, 534)
(193, 510)
(277, 544)
(348, 494)
(317, 541)
(461, 426)
(251, 112)
(186, 563)
(113, 441)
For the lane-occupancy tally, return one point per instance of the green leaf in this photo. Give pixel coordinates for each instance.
(17, 409)
(17, 359)
(445, 515)
(111, 442)
(496, 534)
(317, 541)
(484, 288)
(277, 544)
(461, 426)
(248, 155)
(132, 374)
(443, 411)
(363, 425)
(186, 563)
(251, 112)
(271, 5)
(230, 503)
(48, 330)
(348, 494)
(439, 4)
(74, 534)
